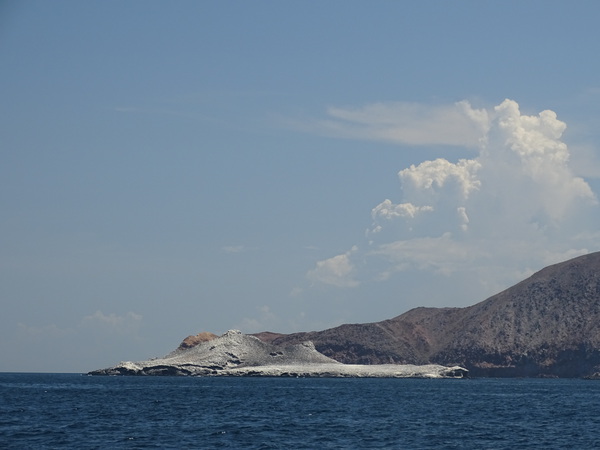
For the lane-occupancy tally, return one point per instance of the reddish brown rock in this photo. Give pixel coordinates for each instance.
(192, 341)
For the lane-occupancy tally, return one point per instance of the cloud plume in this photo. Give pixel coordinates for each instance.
(515, 206)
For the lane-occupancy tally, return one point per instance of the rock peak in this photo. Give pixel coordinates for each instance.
(232, 333)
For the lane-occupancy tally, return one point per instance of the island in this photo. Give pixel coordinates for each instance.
(238, 354)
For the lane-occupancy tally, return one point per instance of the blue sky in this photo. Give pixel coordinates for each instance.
(168, 168)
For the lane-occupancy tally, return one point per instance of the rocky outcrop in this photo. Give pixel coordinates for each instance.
(547, 326)
(236, 354)
(192, 341)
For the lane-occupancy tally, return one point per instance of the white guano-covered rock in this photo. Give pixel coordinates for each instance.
(237, 354)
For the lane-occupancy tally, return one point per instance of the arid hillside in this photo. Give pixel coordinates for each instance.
(546, 325)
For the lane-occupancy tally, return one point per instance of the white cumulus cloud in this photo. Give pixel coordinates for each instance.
(514, 206)
(432, 176)
(532, 147)
(388, 210)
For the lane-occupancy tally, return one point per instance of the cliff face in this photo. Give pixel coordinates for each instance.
(546, 325)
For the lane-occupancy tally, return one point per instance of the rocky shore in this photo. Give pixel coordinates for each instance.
(237, 354)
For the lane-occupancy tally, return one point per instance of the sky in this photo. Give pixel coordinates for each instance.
(168, 168)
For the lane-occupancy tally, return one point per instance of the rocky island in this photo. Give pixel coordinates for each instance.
(545, 326)
(237, 354)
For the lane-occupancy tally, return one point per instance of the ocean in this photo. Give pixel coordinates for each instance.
(63, 411)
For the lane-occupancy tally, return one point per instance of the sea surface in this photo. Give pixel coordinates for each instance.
(58, 411)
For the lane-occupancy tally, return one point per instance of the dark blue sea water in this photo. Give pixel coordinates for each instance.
(78, 411)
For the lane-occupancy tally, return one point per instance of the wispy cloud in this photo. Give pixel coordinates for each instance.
(337, 271)
(265, 319)
(406, 123)
(130, 322)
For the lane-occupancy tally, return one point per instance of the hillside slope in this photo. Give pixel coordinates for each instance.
(546, 325)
